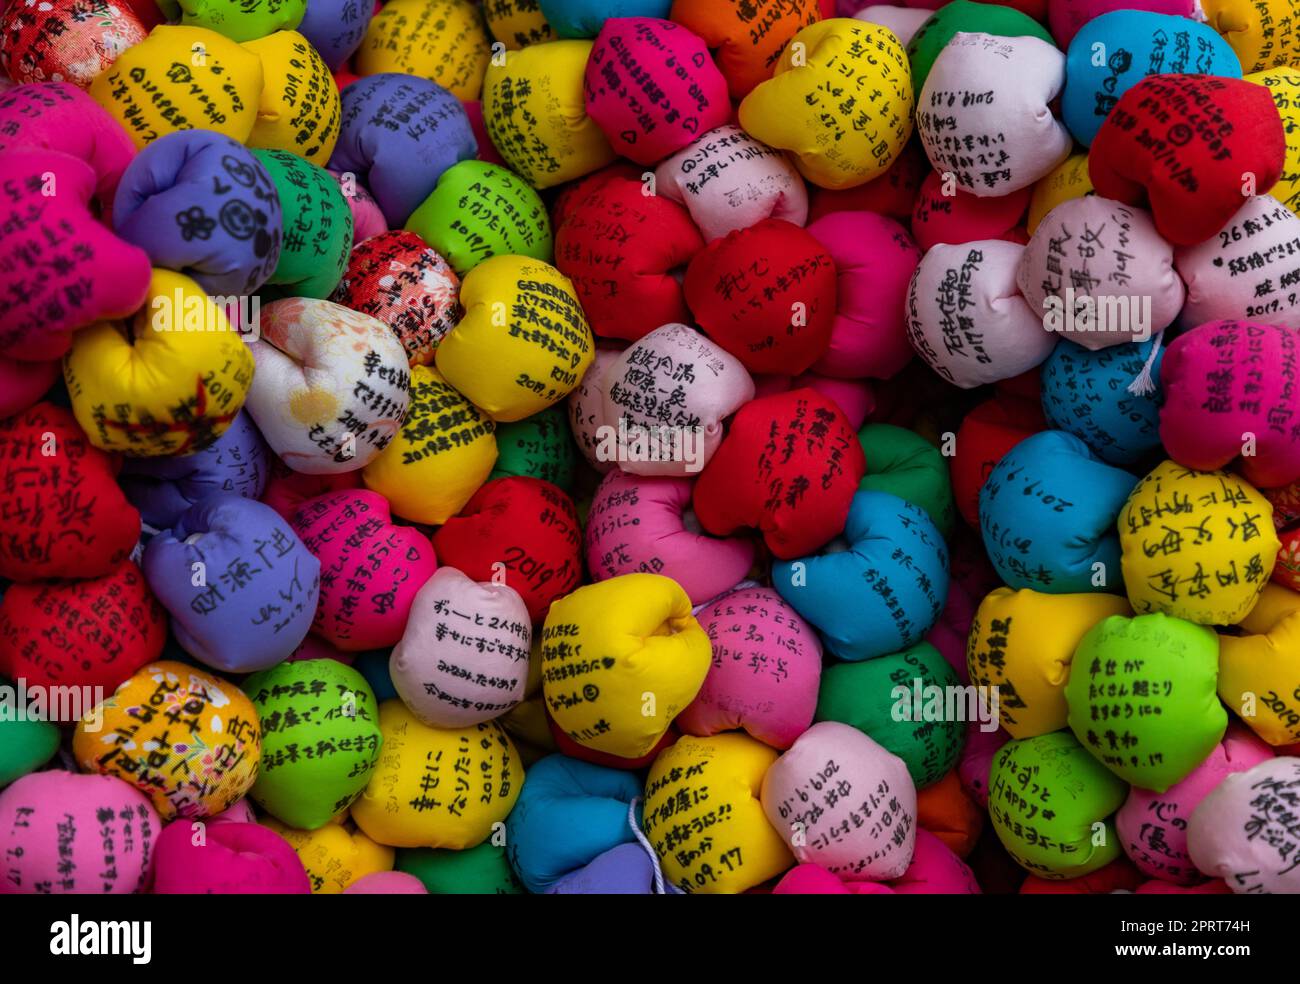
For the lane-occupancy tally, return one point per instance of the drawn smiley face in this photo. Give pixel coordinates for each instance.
(240, 220)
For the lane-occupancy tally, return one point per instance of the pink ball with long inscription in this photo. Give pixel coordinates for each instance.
(1153, 826)
(645, 525)
(370, 569)
(60, 268)
(1247, 269)
(840, 800)
(967, 319)
(60, 116)
(874, 262)
(767, 666)
(62, 833)
(387, 883)
(667, 395)
(1245, 830)
(464, 656)
(587, 415)
(1225, 380)
(652, 87)
(1110, 256)
(227, 858)
(728, 180)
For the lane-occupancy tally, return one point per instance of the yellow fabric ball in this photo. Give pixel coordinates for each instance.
(620, 659)
(517, 23)
(704, 818)
(299, 108)
(1069, 179)
(523, 344)
(1254, 29)
(189, 741)
(334, 855)
(1022, 642)
(182, 78)
(444, 451)
(1259, 673)
(438, 787)
(819, 103)
(169, 383)
(533, 109)
(441, 40)
(1196, 545)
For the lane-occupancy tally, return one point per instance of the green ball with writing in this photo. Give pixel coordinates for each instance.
(317, 228)
(905, 464)
(1143, 697)
(25, 745)
(480, 870)
(480, 210)
(1052, 805)
(540, 446)
(966, 16)
(320, 739)
(241, 20)
(901, 701)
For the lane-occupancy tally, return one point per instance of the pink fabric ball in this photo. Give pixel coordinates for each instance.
(977, 760)
(588, 416)
(1244, 830)
(1153, 826)
(935, 870)
(22, 384)
(874, 262)
(1065, 17)
(387, 883)
(62, 833)
(728, 180)
(230, 859)
(371, 569)
(767, 666)
(644, 525)
(652, 87)
(367, 217)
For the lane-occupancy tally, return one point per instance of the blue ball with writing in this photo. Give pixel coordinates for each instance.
(878, 588)
(569, 813)
(398, 134)
(584, 18)
(1048, 512)
(1115, 51)
(1091, 395)
(240, 587)
(164, 487)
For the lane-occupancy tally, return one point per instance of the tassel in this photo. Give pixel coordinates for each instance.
(1143, 384)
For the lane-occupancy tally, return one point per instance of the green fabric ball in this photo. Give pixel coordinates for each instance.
(317, 227)
(1045, 795)
(481, 870)
(239, 20)
(480, 210)
(540, 446)
(320, 739)
(966, 16)
(905, 464)
(1143, 697)
(25, 745)
(867, 694)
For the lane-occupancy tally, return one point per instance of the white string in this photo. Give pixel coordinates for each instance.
(645, 844)
(1144, 385)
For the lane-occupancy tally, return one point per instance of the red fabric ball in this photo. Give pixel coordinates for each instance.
(92, 633)
(985, 436)
(964, 218)
(1119, 874)
(61, 511)
(1183, 144)
(790, 467)
(744, 288)
(487, 150)
(287, 489)
(891, 194)
(527, 524)
(619, 245)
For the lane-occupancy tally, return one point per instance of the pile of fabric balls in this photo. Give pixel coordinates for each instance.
(649, 446)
